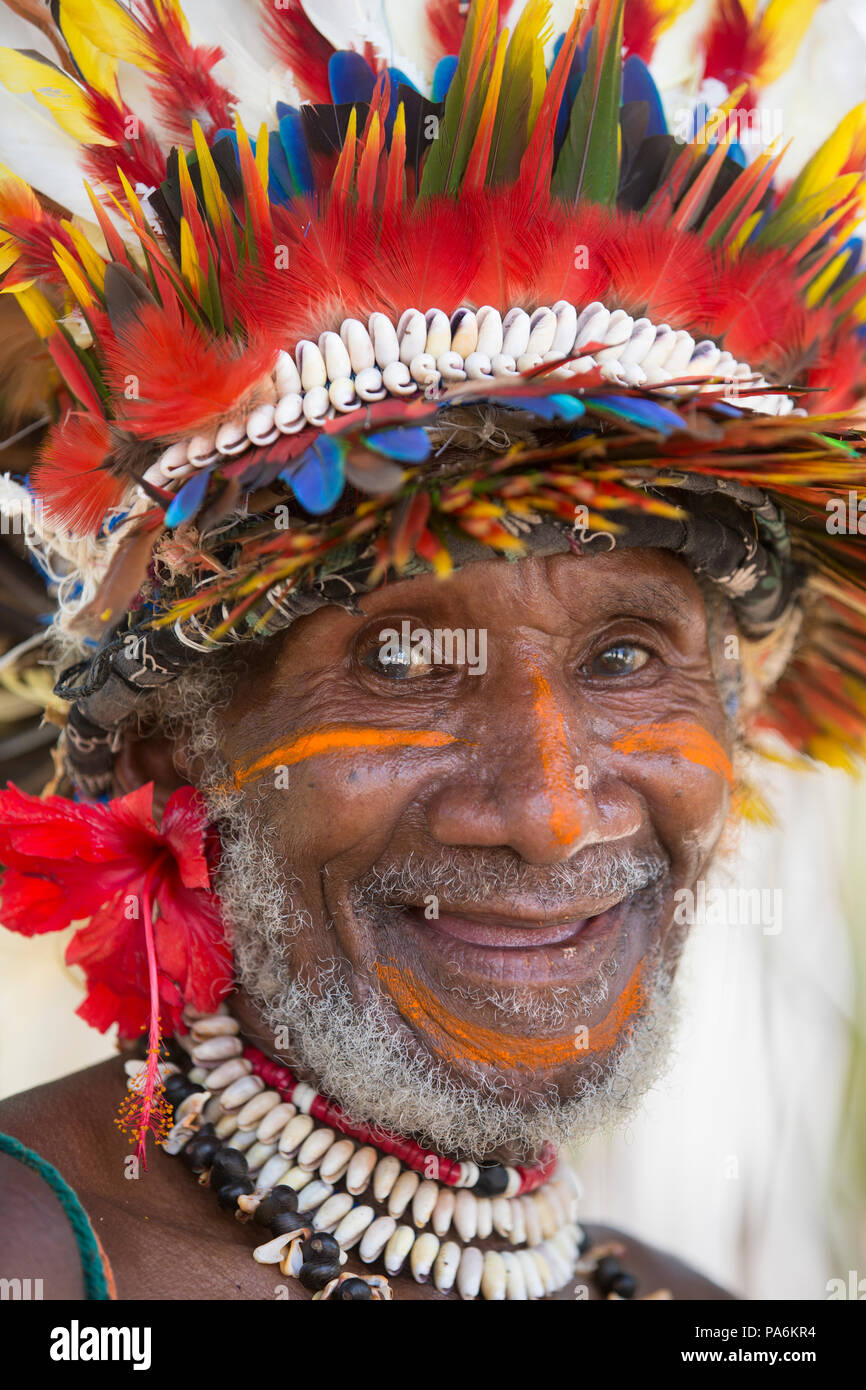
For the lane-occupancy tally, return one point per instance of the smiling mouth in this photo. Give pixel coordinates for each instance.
(504, 932)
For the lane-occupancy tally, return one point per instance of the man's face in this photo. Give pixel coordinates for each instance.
(492, 847)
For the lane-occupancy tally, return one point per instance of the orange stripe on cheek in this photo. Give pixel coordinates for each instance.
(556, 760)
(341, 738)
(687, 740)
(457, 1041)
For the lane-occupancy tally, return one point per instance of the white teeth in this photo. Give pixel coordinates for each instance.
(289, 414)
(503, 364)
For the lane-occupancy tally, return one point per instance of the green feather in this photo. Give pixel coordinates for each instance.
(588, 164)
(449, 152)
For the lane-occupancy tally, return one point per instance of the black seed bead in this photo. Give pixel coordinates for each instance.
(206, 1132)
(492, 1181)
(321, 1247)
(608, 1270)
(280, 1199)
(228, 1166)
(585, 1243)
(228, 1194)
(315, 1275)
(178, 1087)
(201, 1151)
(353, 1289)
(287, 1221)
(624, 1284)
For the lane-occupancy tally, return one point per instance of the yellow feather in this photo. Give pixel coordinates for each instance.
(37, 308)
(170, 8)
(109, 28)
(72, 273)
(98, 68)
(262, 155)
(64, 98)
(821, 284)
(832, 156)
(9, 253)
(189, 266)
(782, 27)
(91, 260)
(215, 201)
(526, 50)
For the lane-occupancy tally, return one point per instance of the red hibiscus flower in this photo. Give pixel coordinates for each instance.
(154, 939)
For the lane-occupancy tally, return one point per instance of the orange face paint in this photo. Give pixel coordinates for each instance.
(681, 737)
(457, 1041)
(556, 761)
(338, 738)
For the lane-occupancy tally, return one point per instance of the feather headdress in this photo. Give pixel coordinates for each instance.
(285, 319)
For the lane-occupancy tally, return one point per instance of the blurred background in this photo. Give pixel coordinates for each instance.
(749, 1159)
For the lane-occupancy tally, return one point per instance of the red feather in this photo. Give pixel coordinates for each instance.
(302, 48)
(446, 25)
(186, 380)
(71, 477)
(184, 89)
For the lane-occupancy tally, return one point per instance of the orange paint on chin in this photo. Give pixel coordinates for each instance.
(681, 737)
(556, 761)
(457, 1041)
(339, 738)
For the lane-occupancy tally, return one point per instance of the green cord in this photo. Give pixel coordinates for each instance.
(95, 1283)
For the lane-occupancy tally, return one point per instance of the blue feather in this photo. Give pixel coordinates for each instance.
(638, 85)
(295, 149)
(557, 407)
(189, 499)
(408, 444)
(442, 78)
(639, 411)
(317, 478)
(350, 77)
(572, 87)
(737, 153)
(398, 80)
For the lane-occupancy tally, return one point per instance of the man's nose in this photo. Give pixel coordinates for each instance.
(531, 787)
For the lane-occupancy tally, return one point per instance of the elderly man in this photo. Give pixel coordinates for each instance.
(416, 653)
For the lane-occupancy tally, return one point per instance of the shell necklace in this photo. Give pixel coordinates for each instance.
(279, 1154)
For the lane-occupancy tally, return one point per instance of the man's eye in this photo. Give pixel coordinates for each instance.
(396, 662)
(622, 659)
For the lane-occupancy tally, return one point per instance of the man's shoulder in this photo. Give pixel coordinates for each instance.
(658, 1271)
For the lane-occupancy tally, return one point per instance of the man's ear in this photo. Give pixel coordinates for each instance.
(154, 758)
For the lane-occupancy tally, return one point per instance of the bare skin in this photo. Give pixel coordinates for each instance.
(558, 748)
